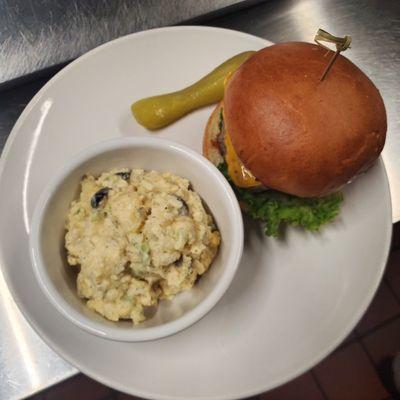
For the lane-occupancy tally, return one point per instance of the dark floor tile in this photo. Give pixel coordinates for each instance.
(396, 236)
(349, 339)
(383, 307)
(384, 342)
(348, 374)
(79, 387)
(383, 345)
(304, 387)
(392, 275)
(123, 396)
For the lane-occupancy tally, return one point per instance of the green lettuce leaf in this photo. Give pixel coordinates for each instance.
(277, 208)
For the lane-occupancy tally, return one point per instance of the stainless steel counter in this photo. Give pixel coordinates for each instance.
(26, 363)
(36, 35)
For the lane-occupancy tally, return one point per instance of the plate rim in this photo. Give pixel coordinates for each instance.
(306, 366)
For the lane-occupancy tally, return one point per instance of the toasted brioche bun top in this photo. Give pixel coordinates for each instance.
(296, 133)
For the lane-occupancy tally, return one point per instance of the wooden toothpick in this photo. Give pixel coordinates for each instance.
(341, 43)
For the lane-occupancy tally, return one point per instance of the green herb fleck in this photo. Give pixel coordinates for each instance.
(144, 250)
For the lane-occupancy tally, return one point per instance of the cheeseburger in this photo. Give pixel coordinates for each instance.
(289, 142)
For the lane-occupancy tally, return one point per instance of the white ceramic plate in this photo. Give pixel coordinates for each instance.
(292, 301)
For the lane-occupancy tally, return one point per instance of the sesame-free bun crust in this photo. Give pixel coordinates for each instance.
(298, 134)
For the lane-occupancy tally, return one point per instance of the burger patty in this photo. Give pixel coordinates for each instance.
(221, 135)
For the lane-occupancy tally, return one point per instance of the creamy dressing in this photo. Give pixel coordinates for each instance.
(138, 236)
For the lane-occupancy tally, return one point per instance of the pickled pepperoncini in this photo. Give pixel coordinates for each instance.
(158, 111)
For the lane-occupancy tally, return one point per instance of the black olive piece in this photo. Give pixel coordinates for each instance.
(124, 175)
(99, 196)
(179, 261)
(185, 208)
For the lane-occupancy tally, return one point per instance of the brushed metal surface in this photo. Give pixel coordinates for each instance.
(26, 363)
(37, 34)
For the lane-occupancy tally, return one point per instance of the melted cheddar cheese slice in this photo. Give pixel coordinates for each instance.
(239, 174)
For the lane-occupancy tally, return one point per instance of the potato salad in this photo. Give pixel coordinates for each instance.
(136, 237)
